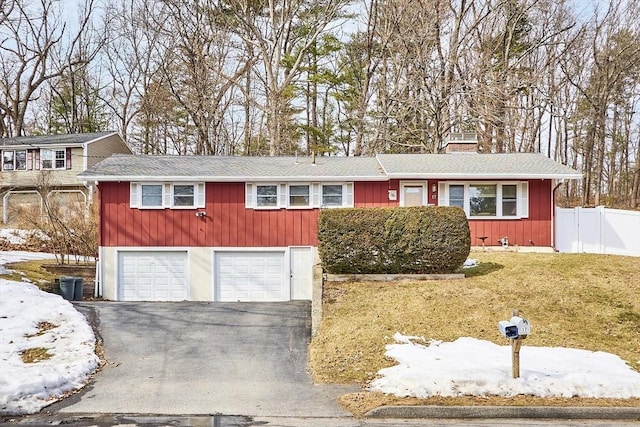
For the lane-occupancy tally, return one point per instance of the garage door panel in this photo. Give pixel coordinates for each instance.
(153, 276)
(251, 276)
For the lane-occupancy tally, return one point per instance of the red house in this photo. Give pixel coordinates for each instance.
(244, 228)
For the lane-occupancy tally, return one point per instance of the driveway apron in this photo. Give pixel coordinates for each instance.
(204, 358)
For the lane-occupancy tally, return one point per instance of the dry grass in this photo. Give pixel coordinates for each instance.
(35, 354)
(572, 300)
(31, 270)
(43, 327)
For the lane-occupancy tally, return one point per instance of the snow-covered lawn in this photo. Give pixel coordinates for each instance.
(469, 366)
(70, 342)
(466, 366)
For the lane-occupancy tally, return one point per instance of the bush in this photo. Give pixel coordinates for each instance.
(419, 240)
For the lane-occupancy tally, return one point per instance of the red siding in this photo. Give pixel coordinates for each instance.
(229, 224)
(532, 231)
(375, 194)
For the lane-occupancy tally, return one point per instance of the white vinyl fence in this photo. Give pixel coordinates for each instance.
(598, 230)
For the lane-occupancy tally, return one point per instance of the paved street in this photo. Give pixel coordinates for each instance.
(204, 358)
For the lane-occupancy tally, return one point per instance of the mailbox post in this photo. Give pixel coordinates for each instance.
(516, 330)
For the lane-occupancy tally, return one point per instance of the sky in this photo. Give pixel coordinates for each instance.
(466, 366)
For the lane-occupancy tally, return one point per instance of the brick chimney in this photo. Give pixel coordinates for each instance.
(461, 143)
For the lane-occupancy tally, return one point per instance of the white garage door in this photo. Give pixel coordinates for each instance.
(251, 276)
(153, 276)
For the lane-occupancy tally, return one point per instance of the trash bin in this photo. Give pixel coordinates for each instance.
(67, 287)
(77, 289)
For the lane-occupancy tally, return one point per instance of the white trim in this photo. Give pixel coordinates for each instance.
(162, 200)
(53, 161)
(309, 186)
(227, 178)
(118, 249)
(135, 195)
(278, 195)
(284, 250)
(407, 184)
(5, 200)
(443, 198)
(480, 176)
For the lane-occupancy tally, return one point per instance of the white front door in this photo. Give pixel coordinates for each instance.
(301, 273)
(413, 195)
(152, 276)
(250, 276)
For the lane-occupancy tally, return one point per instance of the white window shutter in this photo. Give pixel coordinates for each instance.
(166, 193)
(248, 195)
(133, 194)
(283, 195)
(347, 197)
(523, 200)
(442, 196)
(200, 194)
(316, 195)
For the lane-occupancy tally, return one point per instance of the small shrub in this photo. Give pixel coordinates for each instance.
(432, 239)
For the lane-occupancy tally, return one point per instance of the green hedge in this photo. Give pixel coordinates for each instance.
(415, 240)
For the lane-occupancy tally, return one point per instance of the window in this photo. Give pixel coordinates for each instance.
(482, 200)
(456, 196)
(487, 200)
(159, 195)
(184, 195)
(299, 196)
(509, 200)
(151, 195)
(53, 159)
(267, 196)
(14, 160)
(332, 195)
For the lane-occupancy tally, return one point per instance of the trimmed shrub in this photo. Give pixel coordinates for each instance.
(415, 240)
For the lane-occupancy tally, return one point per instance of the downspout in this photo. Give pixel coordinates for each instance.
(553, 215)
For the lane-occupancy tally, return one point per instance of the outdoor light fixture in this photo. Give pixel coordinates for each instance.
(201, 214)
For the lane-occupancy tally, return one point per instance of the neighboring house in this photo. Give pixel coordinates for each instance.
(33, 165)
(245, 228)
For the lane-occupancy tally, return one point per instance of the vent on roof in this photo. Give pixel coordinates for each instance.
(461, 143)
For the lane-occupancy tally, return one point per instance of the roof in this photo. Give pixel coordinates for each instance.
(471, 165)
(121, 167)
(77, 139)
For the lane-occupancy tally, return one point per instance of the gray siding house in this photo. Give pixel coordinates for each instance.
(34, 167)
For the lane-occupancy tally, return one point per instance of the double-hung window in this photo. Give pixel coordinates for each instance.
(486, 200)
(53, 159)
(266, 196)
(332, 195)
(151, 195)
(14, 160)
(161, 195)
(184, 195)
(298, 195)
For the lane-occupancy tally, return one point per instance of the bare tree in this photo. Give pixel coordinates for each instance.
(35, 49)
(282, 32)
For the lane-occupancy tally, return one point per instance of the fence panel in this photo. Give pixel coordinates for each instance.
(598, 230)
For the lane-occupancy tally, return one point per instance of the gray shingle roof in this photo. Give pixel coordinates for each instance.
(218, 168)
(487, 166)
(68, 139)
(382, 167)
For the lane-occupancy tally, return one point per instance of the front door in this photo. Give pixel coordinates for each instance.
(413, 195)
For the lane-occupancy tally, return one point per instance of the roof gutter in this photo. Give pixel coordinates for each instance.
(153, 178)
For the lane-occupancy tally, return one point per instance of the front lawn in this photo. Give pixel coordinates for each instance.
(572, 300)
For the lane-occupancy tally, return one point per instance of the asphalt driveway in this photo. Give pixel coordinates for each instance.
(204, 358)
